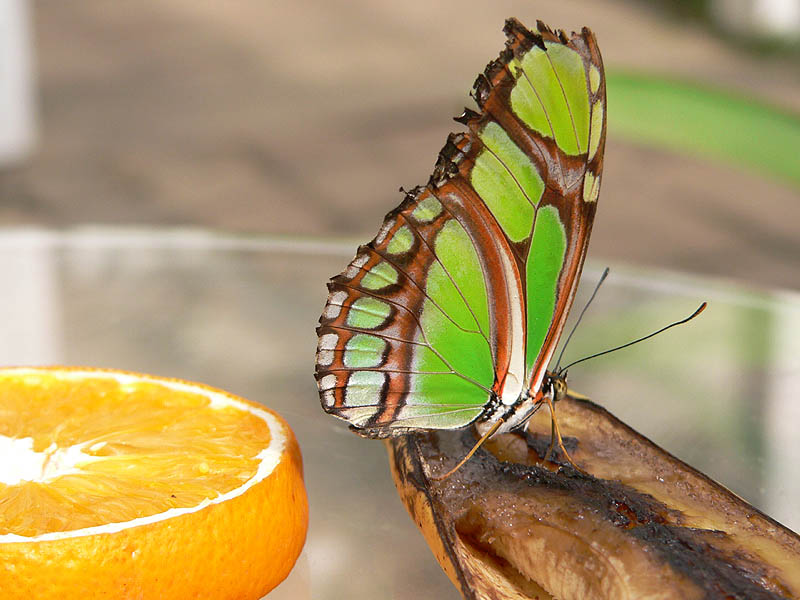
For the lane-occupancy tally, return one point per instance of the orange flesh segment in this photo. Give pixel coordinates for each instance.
(148, 448)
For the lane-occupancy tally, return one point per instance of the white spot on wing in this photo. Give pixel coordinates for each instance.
(326, 386)
(325, 358)
(334, 306)
(381, 237)
(328, 341)
(325, 347)
(327, 383)
(360, 260)
(355, 266)
(332, 311)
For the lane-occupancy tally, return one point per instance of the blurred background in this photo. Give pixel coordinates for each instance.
(301, 120)
(305, 117)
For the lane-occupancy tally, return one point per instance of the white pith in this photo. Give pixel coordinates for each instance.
(269, 457)
(20, 462)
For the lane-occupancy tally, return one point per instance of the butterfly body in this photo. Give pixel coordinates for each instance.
(451, 314)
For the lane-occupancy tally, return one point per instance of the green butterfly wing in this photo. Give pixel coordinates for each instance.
(453, 311)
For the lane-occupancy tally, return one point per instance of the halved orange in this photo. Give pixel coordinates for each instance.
(120, 485)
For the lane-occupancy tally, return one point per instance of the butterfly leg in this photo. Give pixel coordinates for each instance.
(555, 437)
(552, 445)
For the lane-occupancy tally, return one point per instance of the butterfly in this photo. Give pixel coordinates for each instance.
(450, 316)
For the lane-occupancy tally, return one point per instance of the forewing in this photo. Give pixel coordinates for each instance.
(543, 111)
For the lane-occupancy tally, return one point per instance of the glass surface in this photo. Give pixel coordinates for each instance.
(239, 314)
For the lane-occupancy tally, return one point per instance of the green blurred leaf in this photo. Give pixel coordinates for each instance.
(701, 121)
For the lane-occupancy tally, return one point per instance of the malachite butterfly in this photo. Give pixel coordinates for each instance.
(451, 314)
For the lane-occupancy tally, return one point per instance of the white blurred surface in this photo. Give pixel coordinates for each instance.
(16, 82)
(777, 18)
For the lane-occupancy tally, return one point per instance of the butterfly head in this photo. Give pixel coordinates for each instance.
(555, 384)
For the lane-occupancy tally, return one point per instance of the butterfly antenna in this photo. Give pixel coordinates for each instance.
(701, 308)
(477, 445)
(578, 322)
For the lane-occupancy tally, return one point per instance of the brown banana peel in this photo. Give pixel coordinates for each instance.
(639, 524)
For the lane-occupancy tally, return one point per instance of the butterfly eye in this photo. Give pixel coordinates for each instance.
(559, 388)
